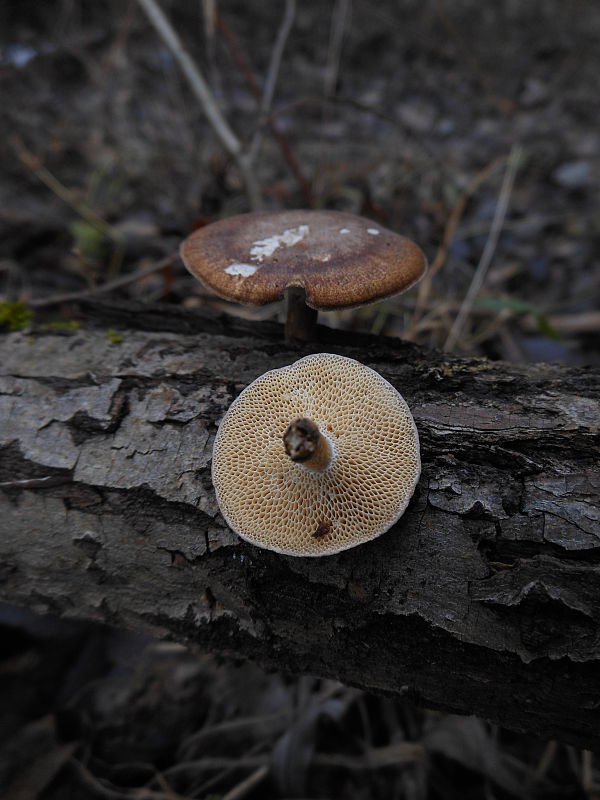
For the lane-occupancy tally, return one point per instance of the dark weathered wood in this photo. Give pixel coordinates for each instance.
(484, 598)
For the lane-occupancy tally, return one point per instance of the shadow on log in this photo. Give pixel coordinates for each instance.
(484, 598)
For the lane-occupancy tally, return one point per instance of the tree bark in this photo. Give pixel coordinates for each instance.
(484, 598)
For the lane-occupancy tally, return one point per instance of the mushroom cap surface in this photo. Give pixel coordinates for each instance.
(340, 260)
(278, 504)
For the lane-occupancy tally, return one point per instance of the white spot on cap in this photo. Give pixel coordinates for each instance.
(263, 248)
(373, 231)
(243, 270)
(344, 230)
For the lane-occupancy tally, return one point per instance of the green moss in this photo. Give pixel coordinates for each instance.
(16, 316)
(61, 325)
(88, 239)
(114, 336)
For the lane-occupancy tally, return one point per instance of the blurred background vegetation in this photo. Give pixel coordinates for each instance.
(405, 112)
(414, 113)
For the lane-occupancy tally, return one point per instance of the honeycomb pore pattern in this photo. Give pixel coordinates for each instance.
(281, 505)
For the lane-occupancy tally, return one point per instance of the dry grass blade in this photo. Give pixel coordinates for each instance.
(489, 249)
(247, 785)
(273, 72)
(447, 238)
(242, 63)
(33, 164)
(253, 727)
(209, 16)
(587, 775)
(336, 36)
(202, 785)
(544, 763)
(213, 763)
(376, 758)
(294, 753)
(168, 790)
(202, 91)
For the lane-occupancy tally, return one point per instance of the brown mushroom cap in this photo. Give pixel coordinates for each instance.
(339, 259)
(282, 505)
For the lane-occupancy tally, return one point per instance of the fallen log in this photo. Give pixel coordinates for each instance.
(484, 598)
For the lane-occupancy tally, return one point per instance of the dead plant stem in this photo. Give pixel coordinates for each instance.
(284, 145)
(200, 88)
(448, 237)
(109, 286)
(489, 249)
(32, 163)
(272, 74)
(248, 784)
(336, 37)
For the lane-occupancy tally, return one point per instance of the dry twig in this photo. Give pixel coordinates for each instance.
(447, 238)
(199, 86)
(109, 286)
(332, 68)
(271, 80)
(489, 249)
(34, 164)
(336, 37)
(279, 137)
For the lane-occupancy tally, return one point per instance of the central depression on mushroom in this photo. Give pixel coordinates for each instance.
(356, 449)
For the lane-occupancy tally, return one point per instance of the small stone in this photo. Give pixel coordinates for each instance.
(417, 115)
(573, 174)
(534, 92)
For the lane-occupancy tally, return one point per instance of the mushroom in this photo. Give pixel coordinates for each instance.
(326, 259)
(315, 457)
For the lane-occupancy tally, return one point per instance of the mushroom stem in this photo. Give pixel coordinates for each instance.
(300, 319)
(305, 444)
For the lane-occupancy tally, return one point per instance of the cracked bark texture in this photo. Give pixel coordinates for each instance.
(484, 598)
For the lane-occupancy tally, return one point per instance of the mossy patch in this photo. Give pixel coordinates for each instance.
(114, 336)
(61, 325)
(15, 315)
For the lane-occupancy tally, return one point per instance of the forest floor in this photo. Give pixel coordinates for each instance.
(409, 113)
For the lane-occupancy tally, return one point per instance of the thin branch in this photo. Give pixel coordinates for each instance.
(202, 91)
(336, 36)
(332, 66)
(279, 137)
(447, 239)
(109, 286)
(34, 164)
(489, 249)
(271, 80)
(209, 15)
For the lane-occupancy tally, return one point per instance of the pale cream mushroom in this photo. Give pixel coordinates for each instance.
(316, 457)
